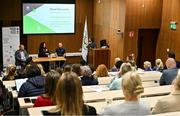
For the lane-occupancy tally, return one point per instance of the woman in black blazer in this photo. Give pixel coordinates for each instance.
(44, 52)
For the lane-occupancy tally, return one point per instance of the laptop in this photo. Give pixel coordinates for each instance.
(19, 82)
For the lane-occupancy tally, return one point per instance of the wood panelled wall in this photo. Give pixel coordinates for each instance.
(11, 11)
(140, 14)
(169, 38)
(109, 16)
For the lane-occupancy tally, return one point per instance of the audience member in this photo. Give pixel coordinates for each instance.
(117, 65)
(76, 68)
(101, 71)
(132, 88)
(6, 99)
(93, 69)
(147, 66)
(10, 73)
(171, 54)
(67, 68)
(48, 98)
(117, 81)
(158, 65)
(131, 59)
(170, 73)
(59, 70)
(34, 85)
(69, 97)
(87, 77)
(41, 69)
(170, 103)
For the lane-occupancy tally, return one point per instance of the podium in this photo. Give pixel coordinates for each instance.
(99, 56)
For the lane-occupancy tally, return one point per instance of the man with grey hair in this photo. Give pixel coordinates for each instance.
(170, 73)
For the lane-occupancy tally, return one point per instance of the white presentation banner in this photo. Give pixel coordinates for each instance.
(10, 43)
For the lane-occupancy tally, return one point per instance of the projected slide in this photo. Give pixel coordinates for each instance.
(48, 18)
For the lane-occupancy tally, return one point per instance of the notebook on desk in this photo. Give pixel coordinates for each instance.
(19, 82)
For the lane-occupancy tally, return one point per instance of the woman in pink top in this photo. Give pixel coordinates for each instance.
(48, 98)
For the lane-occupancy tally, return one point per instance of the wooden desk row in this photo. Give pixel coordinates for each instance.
(151, 101)
(145, 77)
(104, 95)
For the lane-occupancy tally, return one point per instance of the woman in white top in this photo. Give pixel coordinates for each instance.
(132, 88)
(170, 103)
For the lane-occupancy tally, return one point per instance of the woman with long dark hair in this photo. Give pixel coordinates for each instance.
(44, 52)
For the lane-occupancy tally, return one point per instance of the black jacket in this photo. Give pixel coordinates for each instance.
(85, 80)
(43, 52)
(34, 86)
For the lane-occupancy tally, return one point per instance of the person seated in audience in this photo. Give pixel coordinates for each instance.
(93, 69)
(10, 73)
(159, 65)
(117, 81)
(59, 70)
(117, 65)
(69, 97)
(87, 77)
(34, 85)
(132, 88)
(67, 68)
(170, 103)
(147, 66)
(101, 71)
(48, 98)
(131, 59)
(76, 68)
(170, 73)
(41, 69)
(171, 54)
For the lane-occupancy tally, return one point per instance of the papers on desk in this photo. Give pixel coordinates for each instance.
(97, 88)
(19, 82)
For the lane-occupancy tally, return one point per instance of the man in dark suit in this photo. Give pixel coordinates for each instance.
(170, 73)
(21, 56)
(60, 52)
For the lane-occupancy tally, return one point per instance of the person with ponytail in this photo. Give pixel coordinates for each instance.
(170, 103)
(132, 106)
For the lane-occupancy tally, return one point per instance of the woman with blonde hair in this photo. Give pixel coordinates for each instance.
(69, 97)
(132, 88)
(101, 71)
(158, 65)
(41, 69)
(117, 81)
(10, 73)
(170, 103)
